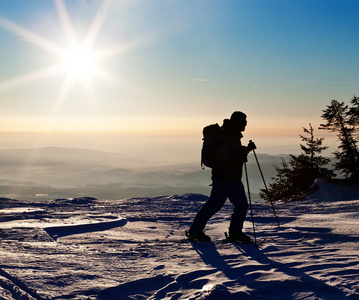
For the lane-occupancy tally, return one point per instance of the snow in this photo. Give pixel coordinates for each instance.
(85, 248)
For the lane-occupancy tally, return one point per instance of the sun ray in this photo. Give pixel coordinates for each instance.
(97, 24)
(108, 76)
(123, 47)
(32, 37)
(66, 23)
(90, 93)
(111, 78)
(67, 85)
(31, 77)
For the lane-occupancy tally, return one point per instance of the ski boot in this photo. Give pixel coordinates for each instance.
(201, 237)
(238, 237)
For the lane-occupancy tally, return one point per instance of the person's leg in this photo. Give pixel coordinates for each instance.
(238, 197)
(215, 202)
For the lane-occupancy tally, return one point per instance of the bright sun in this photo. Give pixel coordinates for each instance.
(79, 62)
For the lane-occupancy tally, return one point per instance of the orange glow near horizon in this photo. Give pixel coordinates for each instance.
(146, 126)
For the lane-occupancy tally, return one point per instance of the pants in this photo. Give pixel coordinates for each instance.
(221, 190)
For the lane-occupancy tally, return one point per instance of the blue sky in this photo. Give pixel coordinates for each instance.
(178, 65)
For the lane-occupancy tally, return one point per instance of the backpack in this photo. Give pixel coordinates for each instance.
(211, 142)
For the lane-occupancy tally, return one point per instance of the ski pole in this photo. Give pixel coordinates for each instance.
(271, 202)
(250, 204)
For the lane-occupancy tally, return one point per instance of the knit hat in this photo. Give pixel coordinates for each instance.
(238, 116)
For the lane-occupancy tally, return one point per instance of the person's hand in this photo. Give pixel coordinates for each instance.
(251, 146)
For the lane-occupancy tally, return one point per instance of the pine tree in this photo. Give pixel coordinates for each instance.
(354, 117)
(344, 120)
(295, 178)
(354, 113)
(313, 147)
(279, 188)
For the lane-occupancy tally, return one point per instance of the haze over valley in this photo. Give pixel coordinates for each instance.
(61, 172)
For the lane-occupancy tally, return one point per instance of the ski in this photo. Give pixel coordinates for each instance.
(286, 241)
(259, 241)
(293, 240)
(225, 240)
(222, 241)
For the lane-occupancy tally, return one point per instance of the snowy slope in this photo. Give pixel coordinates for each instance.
(133, 250)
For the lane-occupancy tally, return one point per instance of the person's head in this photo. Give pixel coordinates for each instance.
(239, 121)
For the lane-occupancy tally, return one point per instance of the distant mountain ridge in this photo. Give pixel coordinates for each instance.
(69, 168)
(65, 155)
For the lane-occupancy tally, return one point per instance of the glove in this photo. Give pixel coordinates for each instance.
(251, 146)
(243, 154)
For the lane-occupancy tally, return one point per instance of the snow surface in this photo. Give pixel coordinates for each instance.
(133, 249)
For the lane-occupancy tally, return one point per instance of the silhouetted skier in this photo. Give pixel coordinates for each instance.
(227, 167)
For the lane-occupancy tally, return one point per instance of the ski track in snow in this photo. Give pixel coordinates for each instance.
(132, 249)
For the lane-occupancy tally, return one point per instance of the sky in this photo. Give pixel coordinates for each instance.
(92, 73)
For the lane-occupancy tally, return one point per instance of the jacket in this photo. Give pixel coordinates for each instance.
(230, 156)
